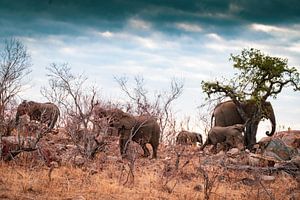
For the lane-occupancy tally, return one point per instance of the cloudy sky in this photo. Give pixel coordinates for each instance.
(158, 39)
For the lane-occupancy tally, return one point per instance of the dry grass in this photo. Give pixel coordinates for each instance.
(168, 177)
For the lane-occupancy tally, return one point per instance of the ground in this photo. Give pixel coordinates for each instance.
(180, 172)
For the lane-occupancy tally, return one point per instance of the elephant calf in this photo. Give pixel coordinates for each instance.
(229, 137)
(141, 129)
(188, 138)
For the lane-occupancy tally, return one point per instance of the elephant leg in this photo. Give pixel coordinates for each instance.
(146, 150)
(51, 124)
(154, 148)
(229, 143)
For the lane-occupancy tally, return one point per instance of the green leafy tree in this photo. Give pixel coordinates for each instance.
(260, 77)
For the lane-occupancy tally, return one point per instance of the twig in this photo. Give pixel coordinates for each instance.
(289, 169)
(268, 193)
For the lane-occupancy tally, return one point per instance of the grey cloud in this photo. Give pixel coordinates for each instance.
(28, 17)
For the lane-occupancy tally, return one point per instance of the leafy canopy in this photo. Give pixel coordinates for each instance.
(260, 76)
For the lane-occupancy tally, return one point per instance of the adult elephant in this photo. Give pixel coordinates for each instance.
(188, 138)
(226, 114)
(47, 113)
(141, 129)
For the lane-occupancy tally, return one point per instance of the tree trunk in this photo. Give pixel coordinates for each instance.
(251, 129)
(250, 134)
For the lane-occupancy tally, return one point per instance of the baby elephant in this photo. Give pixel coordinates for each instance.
(229, 137)
(188, 138)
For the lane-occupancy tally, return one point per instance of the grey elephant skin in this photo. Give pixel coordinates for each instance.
(229, 137)
(141, 129)
(47, 113)
(188, 138)
(226, 114)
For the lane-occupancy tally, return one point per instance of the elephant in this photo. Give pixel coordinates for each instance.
(142, 129)
(226, 114)
(47, 113)
(188, 138)
(229, 136)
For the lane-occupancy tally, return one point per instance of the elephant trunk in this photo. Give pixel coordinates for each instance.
(273, 122)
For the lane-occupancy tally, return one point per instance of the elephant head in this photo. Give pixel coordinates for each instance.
(43, 112)
(141, 129)
(268, 113)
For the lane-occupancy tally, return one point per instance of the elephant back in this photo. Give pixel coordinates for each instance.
(147, 128)
(226, 114)
(43, 112)
(126, 121)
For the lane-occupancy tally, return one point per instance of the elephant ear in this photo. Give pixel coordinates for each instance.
(126, 121)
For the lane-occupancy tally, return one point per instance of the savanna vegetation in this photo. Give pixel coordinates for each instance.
(80, 157)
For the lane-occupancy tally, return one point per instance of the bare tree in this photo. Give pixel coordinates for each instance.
(14, 66)
(159, 105)
(77, 102)
(70, 93)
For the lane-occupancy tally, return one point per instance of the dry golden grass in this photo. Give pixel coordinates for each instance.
(105, 177)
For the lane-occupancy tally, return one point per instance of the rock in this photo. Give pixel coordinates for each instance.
(254, 161)
(277, 149)
(11, 146)
(248, 181)
(259, 161)
(221, 153)
(296, 160)
(198, 188)
(267, 178)
(112, 158)
(263, 142)
(168, 158)
(233, 152)
(291, 138)
(233, 160)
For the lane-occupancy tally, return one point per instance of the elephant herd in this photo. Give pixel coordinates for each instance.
(227, 129)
